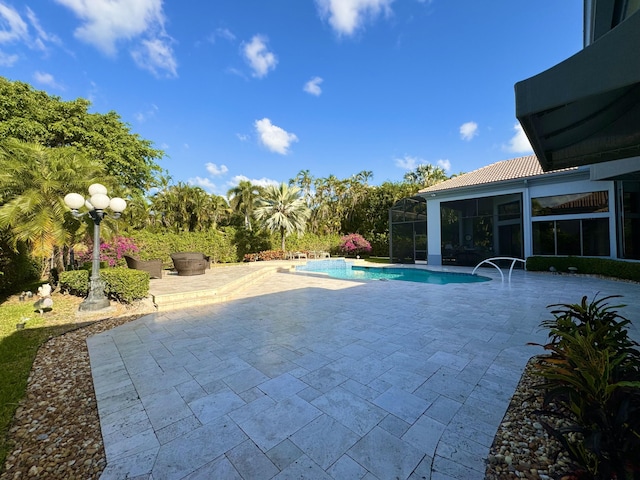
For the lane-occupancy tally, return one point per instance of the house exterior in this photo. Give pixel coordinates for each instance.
(513, 208)
(579, 194)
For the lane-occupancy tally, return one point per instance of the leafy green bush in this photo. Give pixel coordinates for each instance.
(592, 382)
(310, 242)
(588, 265)
(121, 284)
(75, 282)
(124, 284)
(217, 245)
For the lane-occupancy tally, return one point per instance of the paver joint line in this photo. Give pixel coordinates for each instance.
(307, 374)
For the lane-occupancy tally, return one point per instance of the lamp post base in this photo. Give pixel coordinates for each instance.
(96, 300)
(94, 304)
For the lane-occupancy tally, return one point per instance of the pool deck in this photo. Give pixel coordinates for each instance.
(299, 376)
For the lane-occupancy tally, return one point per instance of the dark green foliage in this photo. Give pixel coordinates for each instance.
(587, 265)
(592, 382)
(217, 245)
(17, 268)
(121, 284)
(75, 282)
(34, 116)
(124, 284)
(310, 242)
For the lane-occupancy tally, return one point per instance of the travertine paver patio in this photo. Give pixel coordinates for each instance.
(317, 378)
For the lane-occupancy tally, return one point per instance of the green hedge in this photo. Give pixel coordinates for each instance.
(121, 284)
(587, 265)
(218, 245)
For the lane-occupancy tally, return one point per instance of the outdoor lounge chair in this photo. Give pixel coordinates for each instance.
(152, 267)
(190, 263)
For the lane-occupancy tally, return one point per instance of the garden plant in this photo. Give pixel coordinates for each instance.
(591, 384)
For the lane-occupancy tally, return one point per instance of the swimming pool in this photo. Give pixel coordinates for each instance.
(339, 268)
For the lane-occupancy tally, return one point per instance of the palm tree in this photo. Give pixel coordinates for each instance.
(242, 199)
(426, 175)
(304, 180)
(281, 209)
(33, 181)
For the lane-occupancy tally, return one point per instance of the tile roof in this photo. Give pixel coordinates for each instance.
(521, 167)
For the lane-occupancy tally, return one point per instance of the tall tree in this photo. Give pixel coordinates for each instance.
(281, 209)
(242, 199)
(304, 180)
(33, 181)
(34, 116)
(425, 175)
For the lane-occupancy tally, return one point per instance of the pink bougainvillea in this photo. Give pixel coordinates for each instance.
(354, 244)
(111, 252)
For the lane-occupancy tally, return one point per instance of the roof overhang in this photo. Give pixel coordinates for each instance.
(586, 109)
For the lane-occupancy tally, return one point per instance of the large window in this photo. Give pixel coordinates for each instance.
(477, 228)
(592, 202)
(579, 237)
(574, 234)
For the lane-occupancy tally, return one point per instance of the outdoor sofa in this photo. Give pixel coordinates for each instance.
(152, 267)
(190, 263)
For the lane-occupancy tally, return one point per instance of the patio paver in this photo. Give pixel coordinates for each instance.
(308, 377)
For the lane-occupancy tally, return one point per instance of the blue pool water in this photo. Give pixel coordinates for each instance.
(339, 268)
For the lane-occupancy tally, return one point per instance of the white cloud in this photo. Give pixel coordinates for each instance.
(144, 116)
(156, 55)
(468, 131)
(273, 137)
(226, 34)
(42, 35)
(216, 170)
(348, 16)
(445, 165)
(242, 137)
(204, 183)
(7, 60)
(313, 86)
(105, 23)
(260, 182)
(258, 56)
(13, 28)
(408, 162)
(47, 79)
(519, 143)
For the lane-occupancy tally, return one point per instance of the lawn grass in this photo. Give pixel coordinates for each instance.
(18, 349)
(378, 259)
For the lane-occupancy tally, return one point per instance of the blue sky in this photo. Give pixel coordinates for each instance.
(261, 89)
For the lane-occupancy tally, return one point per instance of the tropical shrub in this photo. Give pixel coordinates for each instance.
(18, 267)
(121, 284)
(311, 242)
(354, 244)
(215, 244)
(591, 382)
(112, 253)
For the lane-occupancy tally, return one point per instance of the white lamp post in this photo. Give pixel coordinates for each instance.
(97, 203)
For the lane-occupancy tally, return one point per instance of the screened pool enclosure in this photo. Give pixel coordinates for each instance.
(408, 230)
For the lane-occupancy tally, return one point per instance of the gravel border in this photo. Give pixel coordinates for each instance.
(56, 429)
(521, 447)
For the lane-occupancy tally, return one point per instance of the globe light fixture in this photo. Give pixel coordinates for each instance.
(96, 205)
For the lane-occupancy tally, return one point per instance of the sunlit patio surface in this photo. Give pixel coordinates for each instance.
(300, 376)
